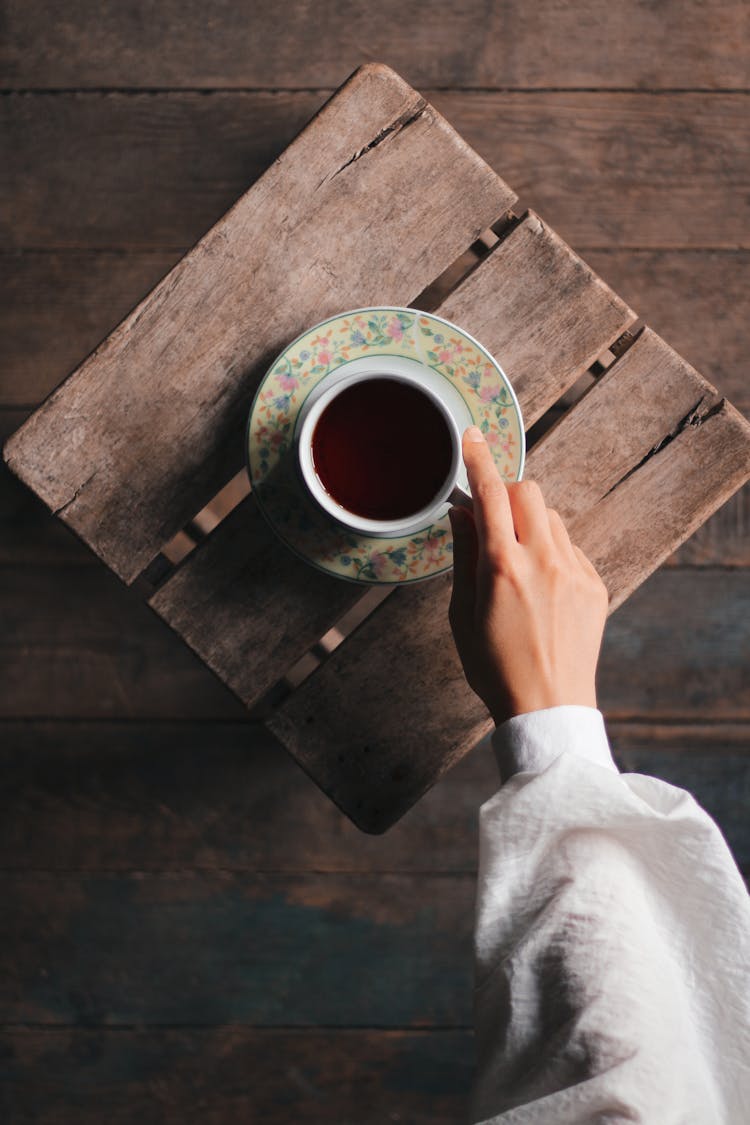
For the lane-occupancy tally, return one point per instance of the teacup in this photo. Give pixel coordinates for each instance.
(379, 447)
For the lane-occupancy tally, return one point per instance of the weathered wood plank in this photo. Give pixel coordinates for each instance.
(317, 233)
(261, 950)
(679, 649)
(540, 310)
(170, 796)
(247, 606)
(643, 397)
(696, 300)
(173, 796)
(56, 307)
(210, 1076)
(28, 534)
(724, 538)
(583, 45)
(652, 509)
(76, 643)
(604, 169)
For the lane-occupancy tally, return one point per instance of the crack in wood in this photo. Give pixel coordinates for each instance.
(402, 122)
(692, 418)
(64, 507)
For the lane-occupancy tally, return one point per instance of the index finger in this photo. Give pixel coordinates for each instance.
(492, 511)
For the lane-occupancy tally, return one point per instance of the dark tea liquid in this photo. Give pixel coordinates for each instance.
(382, 449)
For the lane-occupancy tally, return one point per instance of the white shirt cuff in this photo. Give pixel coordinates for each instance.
(530, 742)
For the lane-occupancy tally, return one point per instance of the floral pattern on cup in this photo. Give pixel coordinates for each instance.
(384, 331)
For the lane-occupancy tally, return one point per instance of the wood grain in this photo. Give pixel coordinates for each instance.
(211, 1076)
(76, 643)
(723, 538)
(56, 307)
(186, 362)
(541, 311)
(188, 949)
(107, 796)
(695, 300)
(212, 796)
(646, 395)
(249, 608)
(28, 534)
(604, 169)
(511, 44)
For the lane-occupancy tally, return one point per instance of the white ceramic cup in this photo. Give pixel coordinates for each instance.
(450, 493)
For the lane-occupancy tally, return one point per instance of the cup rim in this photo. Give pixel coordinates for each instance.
(364, 525)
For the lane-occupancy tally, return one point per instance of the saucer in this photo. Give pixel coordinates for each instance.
(399, 339)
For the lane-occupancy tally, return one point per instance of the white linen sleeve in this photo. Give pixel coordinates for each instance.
(612, 941)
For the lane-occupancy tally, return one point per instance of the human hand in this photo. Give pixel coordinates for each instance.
(528, 607)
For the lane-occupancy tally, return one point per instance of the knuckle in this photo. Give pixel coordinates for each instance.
(489, 488)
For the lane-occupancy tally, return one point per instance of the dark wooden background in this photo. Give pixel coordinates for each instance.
(189, 930)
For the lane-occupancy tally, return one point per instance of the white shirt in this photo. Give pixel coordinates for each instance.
(612, 941)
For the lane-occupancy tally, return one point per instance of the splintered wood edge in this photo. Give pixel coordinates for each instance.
(711, 443)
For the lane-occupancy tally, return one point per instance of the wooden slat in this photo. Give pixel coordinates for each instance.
(262, 950)
(679, 650)
(28, 534)
(693, 298)
(626, 518)
(56, 307)
(648, 394)
(724, 538)
(541, 311)
(681, 45)
(219, 796)
(248, 607)
(165, 796)
(218, 1075)
(319, 232)
(76, 643)
(634, 528)
(605, 169)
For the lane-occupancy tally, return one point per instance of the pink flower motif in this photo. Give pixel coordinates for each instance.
(444, 356)
(492, 438)
(277, 437)
(324, 357)
(486, 394)
(288, 382)
(395, 329)
(378, 562)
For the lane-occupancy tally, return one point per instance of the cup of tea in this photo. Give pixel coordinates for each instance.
(380, 451)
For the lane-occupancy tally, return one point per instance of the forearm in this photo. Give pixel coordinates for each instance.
(611, 940)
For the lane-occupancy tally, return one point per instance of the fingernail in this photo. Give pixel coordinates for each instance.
(474, 434)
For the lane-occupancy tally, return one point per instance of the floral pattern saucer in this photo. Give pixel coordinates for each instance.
(386, 331)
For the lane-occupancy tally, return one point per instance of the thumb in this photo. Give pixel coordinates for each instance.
(465, 550)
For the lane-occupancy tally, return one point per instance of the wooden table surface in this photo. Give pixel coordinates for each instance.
(178, 879)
